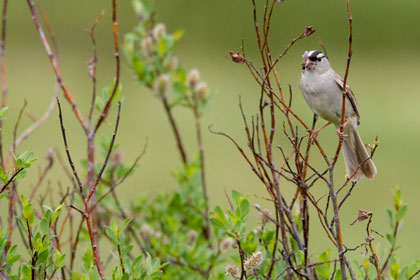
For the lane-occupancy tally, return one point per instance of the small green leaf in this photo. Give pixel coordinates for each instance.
(236, 196)
(11, 256)
(244, 209)
(24, 200)
(3, 194)
(125, 224)
(390, 218)
(27, 211)
(22, 225)
(400, 213)
(390, 238)
(177, 35)
(21, 175)
(3, 112)
(44, 226)
(111, 234)
(57, 212)
(59, 259)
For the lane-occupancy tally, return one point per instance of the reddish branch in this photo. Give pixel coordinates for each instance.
(53, 61)
(206, 228)
(101, 171)
(175, 129)
(3, 73)
(104, 113)
(349, 54)
(336, 219)
(92, 64)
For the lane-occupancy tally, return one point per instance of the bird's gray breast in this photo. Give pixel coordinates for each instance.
(322, 94)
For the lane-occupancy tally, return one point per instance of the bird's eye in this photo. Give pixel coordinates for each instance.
(314, 58)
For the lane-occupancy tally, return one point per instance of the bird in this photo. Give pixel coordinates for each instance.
(322, 89)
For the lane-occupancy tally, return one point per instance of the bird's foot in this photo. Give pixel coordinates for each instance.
(341, 135)
(313, 134)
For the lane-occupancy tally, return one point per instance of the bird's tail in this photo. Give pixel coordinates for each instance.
(357, 159)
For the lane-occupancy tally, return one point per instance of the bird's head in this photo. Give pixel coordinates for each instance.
(315, 61)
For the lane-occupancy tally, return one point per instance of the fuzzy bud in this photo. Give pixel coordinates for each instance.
(138, 8)
(159, 31)
(161, 84)
(258, 230)
(116, 158)
(147, 47)
(202, 90)
(193, 78)
(158, 234)
(232, 271)
(172, 63)
(254, 261)
(146, 231)
(191, 236)
(227, 243)
(265, 216)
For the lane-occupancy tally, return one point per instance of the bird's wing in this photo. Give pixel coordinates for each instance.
(350, 95)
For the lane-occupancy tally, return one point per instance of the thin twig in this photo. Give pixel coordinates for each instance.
(92, 190)
(3, 73)
(69, 97)
(92, 64)
(104, 112)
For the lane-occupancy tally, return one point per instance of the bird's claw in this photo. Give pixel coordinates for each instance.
(341, 135)
(313, 134)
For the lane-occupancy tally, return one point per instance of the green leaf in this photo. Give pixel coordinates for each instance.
(88, 258)
(42, 257)
(177, 35)
(244, 209)
(111, 234)
(3, 194)
(26, 272)
(57, 212)
(11, 256)
(44, 226)
(3, 112)
(107, 91)
(21, 175)
(400, 213)
(3, 176)
(390, 218)
(125, 224)
(390, 238)
(22, 225)
(24, 200)
(99, 103)
(397, 198)
(236, 197)
(59, 259)
(27, 211)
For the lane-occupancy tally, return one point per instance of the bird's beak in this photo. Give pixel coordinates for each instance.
(308, 63)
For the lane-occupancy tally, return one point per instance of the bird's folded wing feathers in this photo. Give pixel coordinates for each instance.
(350, 95)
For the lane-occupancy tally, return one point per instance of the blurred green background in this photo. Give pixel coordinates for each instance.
(384, 75)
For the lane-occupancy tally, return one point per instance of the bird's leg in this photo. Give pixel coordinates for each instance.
(314, 121)
(340, 134)
(314, 133)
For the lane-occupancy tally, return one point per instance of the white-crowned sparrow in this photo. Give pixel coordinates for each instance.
(322, 89)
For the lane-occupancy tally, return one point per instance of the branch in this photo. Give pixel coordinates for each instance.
(92, 190)
(349, 54)
(92, 64)
(11, 179)
(3, 72)
(63, 131)
(117, 74)
(53, 61)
